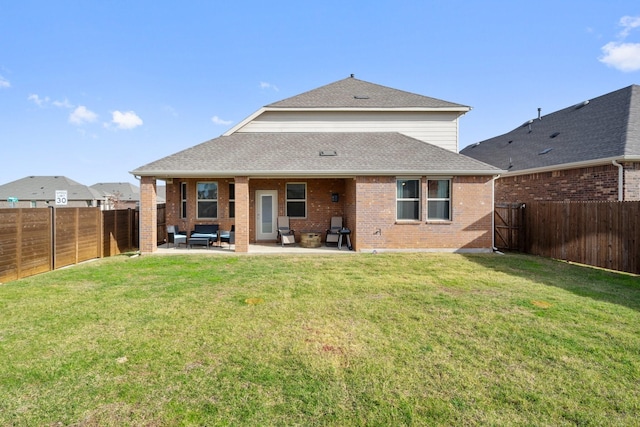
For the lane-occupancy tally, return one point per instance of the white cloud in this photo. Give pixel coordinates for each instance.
(63, 104)
(126, 120)
(628, 23)
(37, 100)
(217, 120)
(82, 115)
(265, 85)
(4, 83)
(622, 56)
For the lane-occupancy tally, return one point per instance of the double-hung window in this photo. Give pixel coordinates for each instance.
(408, 199)
(439, 199)
(207, 199)
(297, 199)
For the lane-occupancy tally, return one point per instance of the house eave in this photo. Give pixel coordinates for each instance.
(164, 174)
(573, 165)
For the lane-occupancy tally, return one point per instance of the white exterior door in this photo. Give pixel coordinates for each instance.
(266, 214)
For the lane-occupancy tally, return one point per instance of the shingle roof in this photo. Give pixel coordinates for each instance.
(355, 93)
(288, 154)
(44, 188)
(602, 128)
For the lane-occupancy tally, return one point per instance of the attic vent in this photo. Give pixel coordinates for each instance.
(327, 153)
(510, 141)
(360, 97)
(553, 135)
(545, 151)
(582, 104)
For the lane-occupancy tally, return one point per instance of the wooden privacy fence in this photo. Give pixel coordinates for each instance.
(36, 240)
(602, 234)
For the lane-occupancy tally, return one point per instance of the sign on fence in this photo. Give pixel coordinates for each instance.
(61, 197)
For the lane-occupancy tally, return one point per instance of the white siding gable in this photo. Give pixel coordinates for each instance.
(437, 128)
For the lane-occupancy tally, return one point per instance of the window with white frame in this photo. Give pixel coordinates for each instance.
(408, 199)
(183, 200)
(232, 200)
(439, 199)
(207, 201)
(296, 199)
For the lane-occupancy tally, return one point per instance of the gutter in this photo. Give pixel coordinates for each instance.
(162, 174)
(620, 180)
(574, 165)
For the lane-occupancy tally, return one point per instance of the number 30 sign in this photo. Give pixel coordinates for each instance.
(61, 197)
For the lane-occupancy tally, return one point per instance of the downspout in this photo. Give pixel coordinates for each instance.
(493, 213)
(620, 180)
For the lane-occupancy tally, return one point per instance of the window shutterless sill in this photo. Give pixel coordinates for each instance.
(439, 222)
(408, 222)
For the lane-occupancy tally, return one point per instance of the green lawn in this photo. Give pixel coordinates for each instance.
(361, 339)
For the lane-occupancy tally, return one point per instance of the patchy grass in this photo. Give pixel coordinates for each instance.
(386, 339)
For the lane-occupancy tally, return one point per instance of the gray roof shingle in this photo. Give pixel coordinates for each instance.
(355, 93)
(287, 154)
(44, 188)
(606, 127)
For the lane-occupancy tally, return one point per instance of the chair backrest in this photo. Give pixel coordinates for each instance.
(336, 223)
(206, 228)
(283, 223)
(171, 229)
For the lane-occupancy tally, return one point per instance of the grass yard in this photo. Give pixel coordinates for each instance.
(362, 339)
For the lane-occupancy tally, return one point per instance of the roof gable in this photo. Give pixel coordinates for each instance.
(358, 94)
(605, 127)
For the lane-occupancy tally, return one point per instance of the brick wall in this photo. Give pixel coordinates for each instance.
(632, 181)
(598, 183)
(470, 227)
(367, 204)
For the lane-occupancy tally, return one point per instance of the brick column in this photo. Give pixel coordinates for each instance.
(242, 214)
(148, 232)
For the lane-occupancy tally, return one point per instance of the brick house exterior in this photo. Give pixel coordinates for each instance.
(587, 152)
(384, 160)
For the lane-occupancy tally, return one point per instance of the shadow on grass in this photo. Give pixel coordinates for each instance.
(599, 284)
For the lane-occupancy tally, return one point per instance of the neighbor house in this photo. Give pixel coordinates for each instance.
(40, 191)
(385, 160)
(589, 151)
(123, 195)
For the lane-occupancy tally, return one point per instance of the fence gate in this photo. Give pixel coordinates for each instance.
(509, 226)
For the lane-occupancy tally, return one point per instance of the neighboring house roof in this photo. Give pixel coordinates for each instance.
(121, 190)
(312, 154)
(602, 129)
(358, 94)
(125, 191)
(44, 188)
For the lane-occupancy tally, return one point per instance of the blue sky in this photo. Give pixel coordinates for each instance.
(91, 90)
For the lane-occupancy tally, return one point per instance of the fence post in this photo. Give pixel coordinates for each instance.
(52, 227)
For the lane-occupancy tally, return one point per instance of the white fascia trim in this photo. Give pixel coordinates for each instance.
(428, 109)
(244, 122)
(574, 165)
(164, 174)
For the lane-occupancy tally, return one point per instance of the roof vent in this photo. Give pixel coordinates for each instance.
(545, 151)
(360, 97)
(553, 135)
(582, 104)
(328, 153)
(510, 141)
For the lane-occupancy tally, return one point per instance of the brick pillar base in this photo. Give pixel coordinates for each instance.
(148, 215)
(242, 213)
